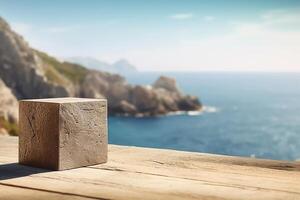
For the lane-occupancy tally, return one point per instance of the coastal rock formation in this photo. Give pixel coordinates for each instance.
(29, 73)
(125, 99)
(22, 70)
(8, 110)
(167, 83)
(8, 104)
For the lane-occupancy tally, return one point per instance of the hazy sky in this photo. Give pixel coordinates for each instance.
(165, 34)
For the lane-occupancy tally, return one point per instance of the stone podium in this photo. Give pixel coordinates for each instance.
(62, 133)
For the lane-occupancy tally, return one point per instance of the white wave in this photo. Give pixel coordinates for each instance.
(210, 109)
(205, 109)
(194, 113)
(176, 113)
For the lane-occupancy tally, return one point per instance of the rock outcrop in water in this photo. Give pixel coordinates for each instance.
(125, 99)
(29, 73)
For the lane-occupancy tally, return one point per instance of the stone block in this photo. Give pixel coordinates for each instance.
(62, 133)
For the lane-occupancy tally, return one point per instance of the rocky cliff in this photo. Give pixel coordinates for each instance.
(22, 70)
(28, 73)
(8, 110)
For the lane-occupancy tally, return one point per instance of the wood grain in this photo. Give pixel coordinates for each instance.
(143, 173)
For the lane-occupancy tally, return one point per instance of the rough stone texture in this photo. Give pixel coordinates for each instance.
(83, 134)
(39, 134)
(63, 133)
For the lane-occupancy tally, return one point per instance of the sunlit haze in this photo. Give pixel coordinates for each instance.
(165, 35)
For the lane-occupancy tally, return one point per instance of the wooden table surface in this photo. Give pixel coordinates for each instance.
(143, 173)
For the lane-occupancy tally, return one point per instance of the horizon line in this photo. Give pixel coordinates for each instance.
(226, 71)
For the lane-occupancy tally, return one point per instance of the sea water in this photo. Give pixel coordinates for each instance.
(245, 114)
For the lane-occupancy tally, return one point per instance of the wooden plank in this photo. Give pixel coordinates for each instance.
(8, 192)
(141, 173)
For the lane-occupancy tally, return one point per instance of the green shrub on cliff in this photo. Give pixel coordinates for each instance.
(54, 69)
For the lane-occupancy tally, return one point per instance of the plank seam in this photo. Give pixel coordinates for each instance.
(199, 180)
(55, 192)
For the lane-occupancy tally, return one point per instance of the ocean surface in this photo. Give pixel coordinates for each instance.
(246, 114)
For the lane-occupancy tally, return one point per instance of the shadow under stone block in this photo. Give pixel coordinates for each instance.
(62, 133)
